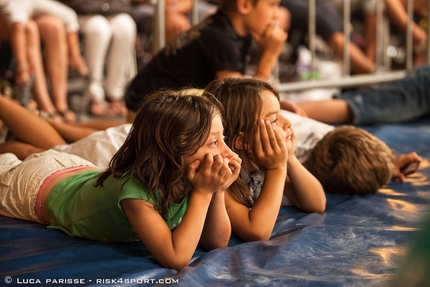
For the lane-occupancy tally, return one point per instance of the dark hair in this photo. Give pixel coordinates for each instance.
(241, 99)
(349, 160)
(168, 126)
(230, 5)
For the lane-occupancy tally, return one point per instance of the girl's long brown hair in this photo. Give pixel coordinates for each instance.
(241, 99)
(168, 126)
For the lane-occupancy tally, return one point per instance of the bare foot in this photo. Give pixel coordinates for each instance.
(22, 75)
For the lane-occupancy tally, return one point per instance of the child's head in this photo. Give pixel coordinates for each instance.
(245, 101)
(231, 5)
(255, 15)
(349, 160)
(170, 127)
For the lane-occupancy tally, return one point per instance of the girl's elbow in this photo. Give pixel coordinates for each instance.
(319, 208)
(257, 235)
(177, 264)
(219, 243)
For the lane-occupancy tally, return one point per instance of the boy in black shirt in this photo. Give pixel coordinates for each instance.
(217, 48)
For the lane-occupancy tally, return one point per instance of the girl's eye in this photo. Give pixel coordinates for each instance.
(274, 122)
(214, 143)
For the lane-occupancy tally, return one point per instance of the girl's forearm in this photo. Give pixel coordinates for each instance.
(263, 215)
(307, 192)
(217, 229)
(186, 236)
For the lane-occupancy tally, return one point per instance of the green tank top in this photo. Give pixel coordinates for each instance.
(78, 208)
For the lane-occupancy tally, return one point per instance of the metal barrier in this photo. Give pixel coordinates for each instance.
(347, 80)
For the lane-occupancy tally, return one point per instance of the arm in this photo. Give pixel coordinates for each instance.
(398, 14)
(217, 229)
(301, 187)
(270, 43)
(171, 249)
(402, 161)
(175, 249)
(292, 107)
(179, 6)
(257, 223)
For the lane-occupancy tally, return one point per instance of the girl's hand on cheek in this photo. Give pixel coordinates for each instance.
(291, 143)
(270, 147)
(233, 164)
(211, 175)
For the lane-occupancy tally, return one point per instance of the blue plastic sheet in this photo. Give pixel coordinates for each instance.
(358, 241)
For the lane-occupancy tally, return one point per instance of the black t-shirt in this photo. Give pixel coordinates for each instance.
(192, 59)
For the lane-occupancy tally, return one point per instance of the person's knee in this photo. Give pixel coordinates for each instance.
(51, 26)
(97, 26)
(336, 42)
(123, 25)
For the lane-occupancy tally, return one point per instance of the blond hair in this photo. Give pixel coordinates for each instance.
(349, 160)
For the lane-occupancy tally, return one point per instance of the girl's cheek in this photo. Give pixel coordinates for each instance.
(281, 132)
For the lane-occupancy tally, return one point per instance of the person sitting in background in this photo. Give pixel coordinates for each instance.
(214, 49)
(400, 100)
(57, 27)
(109, 42)
(329, 26)
(177, 16)
(171, 204)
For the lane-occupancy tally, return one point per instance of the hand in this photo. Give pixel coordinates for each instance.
(77, 63)
(291, 135)
(234, 164)
(213, 174)
(270, 147)
(272, 40)
(291, 142)
(402, 161)
(293, 107)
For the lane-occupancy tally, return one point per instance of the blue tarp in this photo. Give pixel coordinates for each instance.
(358, 241)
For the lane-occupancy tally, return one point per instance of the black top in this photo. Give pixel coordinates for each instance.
(192, 59)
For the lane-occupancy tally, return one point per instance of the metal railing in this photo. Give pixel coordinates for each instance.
(346, 80)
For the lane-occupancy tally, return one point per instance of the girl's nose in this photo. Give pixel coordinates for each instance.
(225, 151)
(284, 123)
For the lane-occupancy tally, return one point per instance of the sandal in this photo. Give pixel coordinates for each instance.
(68, 115)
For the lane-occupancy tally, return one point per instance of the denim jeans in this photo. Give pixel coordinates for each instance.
(397, 101)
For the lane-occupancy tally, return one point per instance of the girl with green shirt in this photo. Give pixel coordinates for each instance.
(165, 186)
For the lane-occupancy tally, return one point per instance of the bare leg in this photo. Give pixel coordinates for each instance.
(20, 149)
(360, 63)
(27, 126)
(53, 36)
(335, 111)
(40, 89)
(75, 131)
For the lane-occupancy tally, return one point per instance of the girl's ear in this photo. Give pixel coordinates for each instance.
(238, 142)
(243, 6)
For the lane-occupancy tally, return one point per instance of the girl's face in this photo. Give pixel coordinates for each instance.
(214, 144)
(271, 110)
